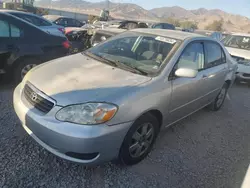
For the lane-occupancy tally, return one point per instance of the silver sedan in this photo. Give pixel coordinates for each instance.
(111, 101)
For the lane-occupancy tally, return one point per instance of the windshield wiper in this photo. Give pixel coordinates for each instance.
(139, 70)
(130, 68)
(100, 58)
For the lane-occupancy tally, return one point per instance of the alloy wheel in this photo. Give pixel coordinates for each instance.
(221, 97)
(141, 140)
(26, 69)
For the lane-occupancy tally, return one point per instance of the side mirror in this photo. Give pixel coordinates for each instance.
(186, 73)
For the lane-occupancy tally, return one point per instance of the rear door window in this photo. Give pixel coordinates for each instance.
(5, 30)
(214, 55)
(158, 26)
(77, 23)
(62, 21)
(9, 30)
(14, 31)
(169, 26)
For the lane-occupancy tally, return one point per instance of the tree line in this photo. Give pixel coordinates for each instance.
(216, 25)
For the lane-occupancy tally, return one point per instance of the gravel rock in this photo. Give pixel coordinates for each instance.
(207, 149)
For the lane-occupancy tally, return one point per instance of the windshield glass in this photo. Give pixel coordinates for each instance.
(234, 41)
(141, 52)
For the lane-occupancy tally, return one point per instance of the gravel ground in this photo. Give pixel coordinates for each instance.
(208, 149)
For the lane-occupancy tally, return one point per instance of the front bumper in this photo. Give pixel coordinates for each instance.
(94, 144)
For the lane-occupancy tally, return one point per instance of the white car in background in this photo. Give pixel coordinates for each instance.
(238, 45)
(38, 21)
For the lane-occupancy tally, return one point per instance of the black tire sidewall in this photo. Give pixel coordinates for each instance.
(124, 154)
(214, 106)
(19, 65)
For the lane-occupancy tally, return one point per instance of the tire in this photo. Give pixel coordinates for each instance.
(219, 100)
(24, 65)
(129, 155)
(237, 81)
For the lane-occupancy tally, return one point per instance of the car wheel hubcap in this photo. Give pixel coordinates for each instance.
(141, 140)
(26, 69)
(221, 97)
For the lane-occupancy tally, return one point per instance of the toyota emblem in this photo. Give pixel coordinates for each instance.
(33, 96)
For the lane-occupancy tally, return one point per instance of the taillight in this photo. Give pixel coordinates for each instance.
(66, 44)
(62, 30)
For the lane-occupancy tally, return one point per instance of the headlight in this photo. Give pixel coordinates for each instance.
(88, 114)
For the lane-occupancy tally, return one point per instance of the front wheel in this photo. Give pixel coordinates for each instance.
(139, 140)
(23, 67)
(219, 100)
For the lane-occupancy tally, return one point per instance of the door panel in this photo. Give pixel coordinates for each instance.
(186, 97)
(213, 78)
(187, 93)
(215, 70)
(5, 44)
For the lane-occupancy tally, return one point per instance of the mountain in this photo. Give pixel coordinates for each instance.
(201, 16)
(204, 17)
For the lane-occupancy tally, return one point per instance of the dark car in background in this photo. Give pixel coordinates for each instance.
(38, 21)
(163, 26)
(64, 21)
(23, 46)
(132, 25)
(126, 24)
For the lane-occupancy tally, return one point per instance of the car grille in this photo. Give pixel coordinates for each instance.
(246, 75)
(37, 100)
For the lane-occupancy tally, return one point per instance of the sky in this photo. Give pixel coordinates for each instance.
(241, 7)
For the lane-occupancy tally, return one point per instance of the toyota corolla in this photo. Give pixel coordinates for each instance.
(111, 101)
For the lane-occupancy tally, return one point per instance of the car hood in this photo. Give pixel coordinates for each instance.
(239, 52)
(78, 79)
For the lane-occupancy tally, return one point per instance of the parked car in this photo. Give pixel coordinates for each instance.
(23, 46)
(79, 38)
(104, 34)
(114, 99)
(217, 35)
(127, 24)
(238, 45)
(39, 21)
(64, 21)
(163, 26)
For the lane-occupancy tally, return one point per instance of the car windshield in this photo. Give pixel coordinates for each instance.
(235, 41)
(141, 52)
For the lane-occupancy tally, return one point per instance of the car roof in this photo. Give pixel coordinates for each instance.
(169, 33)
(242, 34)
(10, 10)
(113, 30)
(19, 19)
(53, 17)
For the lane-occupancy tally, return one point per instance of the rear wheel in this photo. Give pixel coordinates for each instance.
(139, 139)
(23, 67)
(219, 100)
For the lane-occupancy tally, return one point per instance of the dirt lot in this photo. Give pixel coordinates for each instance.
(208, 149)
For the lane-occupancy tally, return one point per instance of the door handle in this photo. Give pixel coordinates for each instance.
(205, 76)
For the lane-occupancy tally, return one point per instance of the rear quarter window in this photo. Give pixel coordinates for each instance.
(214, 55)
